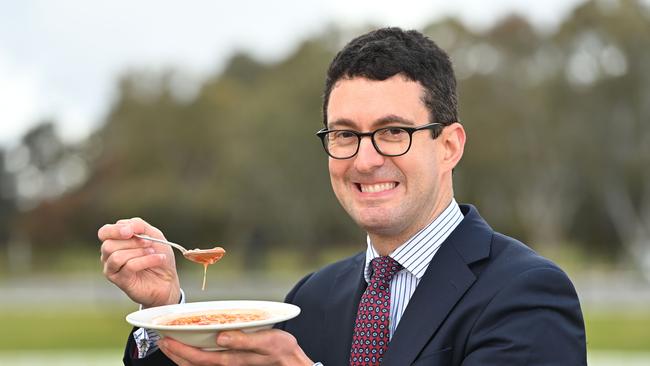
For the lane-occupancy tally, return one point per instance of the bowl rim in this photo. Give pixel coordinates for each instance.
(280, 312)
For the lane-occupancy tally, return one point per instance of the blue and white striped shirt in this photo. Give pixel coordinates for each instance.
(414, 255)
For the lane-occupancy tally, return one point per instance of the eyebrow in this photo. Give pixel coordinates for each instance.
(384, 121)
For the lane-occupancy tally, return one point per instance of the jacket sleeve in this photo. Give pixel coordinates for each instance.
(535, 319)
(290, 296)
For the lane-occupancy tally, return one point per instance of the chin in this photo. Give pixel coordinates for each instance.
(375, 224)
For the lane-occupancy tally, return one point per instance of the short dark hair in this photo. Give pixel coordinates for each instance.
(385, 52)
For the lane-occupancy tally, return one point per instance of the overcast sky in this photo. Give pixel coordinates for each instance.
(60, 59)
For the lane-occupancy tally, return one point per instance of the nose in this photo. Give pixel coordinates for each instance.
(367, 158)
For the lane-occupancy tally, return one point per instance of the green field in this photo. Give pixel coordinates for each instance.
(63, 329)
(621, 329)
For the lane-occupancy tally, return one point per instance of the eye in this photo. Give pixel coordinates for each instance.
(341, 138)
(391, 133)
(342, 135)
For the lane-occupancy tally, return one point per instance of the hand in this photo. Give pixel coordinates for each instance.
(144, 270)
(265, 347)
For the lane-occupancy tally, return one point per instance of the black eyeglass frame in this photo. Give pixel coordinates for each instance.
(410, 130)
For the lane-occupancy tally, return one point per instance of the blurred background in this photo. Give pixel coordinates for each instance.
(199, 116)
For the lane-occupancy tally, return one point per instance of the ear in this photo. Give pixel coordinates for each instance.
(453, 139)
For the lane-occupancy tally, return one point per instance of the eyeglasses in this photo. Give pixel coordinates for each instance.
(388, 141)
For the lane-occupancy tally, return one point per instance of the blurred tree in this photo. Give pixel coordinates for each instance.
(513, 167)
(7, 200)
(44, 168)
(607, 76)
(239, 159)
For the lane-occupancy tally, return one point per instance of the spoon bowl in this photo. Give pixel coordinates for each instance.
(203, 256)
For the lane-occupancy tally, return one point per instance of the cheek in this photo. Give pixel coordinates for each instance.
(337, 169)
(335, 175)
(420, 174)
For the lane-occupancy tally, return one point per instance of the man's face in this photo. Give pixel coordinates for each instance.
(389, 197)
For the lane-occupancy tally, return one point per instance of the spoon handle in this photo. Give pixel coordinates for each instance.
(177, 246)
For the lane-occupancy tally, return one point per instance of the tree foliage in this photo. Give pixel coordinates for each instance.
(558, 148)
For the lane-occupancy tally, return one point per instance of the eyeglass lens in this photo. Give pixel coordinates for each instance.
(391, 141)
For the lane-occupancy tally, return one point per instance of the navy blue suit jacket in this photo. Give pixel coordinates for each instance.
(485, 299)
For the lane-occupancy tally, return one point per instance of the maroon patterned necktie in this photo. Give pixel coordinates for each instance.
(371, 330)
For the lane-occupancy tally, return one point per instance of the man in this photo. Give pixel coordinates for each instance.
(435, 286)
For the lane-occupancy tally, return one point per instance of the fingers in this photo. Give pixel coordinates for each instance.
(183, 354)
(262, 342)
(112, 246)
(267, 347)
(125, 275)
(118, 259)
(242, 341)
(115, 237)
(115, 231)
(125, 228)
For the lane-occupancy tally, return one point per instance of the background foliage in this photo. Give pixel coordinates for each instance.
(558, 149)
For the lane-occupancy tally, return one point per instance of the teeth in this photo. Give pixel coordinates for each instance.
(374, 188)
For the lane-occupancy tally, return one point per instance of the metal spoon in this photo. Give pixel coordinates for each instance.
(203, 256)
(174, 245)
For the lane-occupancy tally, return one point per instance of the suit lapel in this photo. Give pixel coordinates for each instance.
(444, 283)
(341, 311)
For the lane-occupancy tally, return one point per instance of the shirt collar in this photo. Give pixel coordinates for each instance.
(416, 253)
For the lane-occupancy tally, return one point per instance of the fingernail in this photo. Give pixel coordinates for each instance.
(150, 250)
(126, 231)
(223, 339)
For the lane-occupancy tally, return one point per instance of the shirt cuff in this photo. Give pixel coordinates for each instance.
(146, 340)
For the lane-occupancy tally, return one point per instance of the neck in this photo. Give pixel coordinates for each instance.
(386, 244)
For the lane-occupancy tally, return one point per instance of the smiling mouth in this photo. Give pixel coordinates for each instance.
(376, 188)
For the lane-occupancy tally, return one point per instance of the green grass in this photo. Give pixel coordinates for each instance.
(59, 329)
(621, 329)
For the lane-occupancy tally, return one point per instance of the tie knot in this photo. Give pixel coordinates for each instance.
(384, 268)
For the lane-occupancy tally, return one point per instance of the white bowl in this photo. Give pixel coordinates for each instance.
(204, 336)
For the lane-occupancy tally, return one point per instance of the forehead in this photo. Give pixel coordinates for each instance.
(364, 102)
